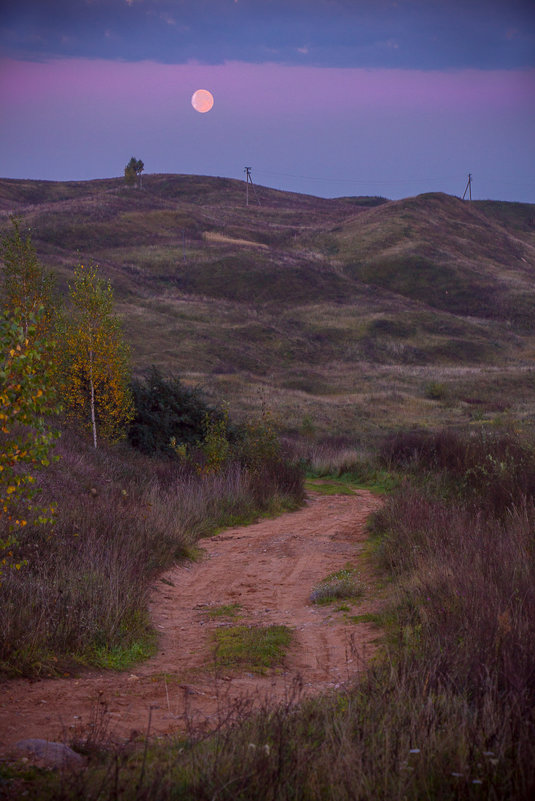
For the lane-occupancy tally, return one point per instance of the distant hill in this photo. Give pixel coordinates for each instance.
(342, 313)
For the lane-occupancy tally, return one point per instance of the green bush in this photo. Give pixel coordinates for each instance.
(259, 444)
(166, 409)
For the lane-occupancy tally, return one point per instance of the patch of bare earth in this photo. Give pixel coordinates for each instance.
(269, 569)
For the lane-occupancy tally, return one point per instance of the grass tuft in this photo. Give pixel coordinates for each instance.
(251, 648)
(342, 585)
(223, 611)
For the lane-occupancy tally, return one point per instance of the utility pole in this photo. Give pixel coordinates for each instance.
(468, 187)
(249, 180)
(247, 171)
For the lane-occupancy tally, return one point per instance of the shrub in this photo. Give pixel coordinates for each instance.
(166, 409)
(215, 448)
(259, 443)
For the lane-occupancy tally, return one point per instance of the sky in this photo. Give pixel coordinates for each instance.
(326, 97)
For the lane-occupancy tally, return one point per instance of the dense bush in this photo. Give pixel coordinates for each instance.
(166, 408)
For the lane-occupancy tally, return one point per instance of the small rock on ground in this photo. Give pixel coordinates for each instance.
(55, 755)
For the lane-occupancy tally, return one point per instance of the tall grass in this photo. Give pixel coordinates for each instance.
(122, 517)
(491, 469)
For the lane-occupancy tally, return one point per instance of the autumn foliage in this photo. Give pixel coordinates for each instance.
(27, 397)
(96, 368)
(27, 287)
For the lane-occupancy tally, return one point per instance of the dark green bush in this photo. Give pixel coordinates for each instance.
(165, 408)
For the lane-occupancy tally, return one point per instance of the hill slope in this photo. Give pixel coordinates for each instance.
(348, 314)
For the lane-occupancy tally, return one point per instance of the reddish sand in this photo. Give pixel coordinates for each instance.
(269, 568)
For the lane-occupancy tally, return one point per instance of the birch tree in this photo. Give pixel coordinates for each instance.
(97, 365)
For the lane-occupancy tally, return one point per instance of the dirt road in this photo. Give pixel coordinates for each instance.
(269, 569)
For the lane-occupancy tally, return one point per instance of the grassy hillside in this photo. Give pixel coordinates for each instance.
(351, 315)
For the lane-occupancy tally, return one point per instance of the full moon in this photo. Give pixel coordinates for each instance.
(202, 100)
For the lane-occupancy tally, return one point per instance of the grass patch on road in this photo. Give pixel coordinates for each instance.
(379, 482)
(328, 487)
(123, 658)
(342, 585)
(251, 648)
(225, 610)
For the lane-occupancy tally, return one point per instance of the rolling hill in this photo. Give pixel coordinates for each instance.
(349, 315)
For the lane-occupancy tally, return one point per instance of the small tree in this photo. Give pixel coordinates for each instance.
(132, 172)
(27, 397)
(27, 288)
(97, 364)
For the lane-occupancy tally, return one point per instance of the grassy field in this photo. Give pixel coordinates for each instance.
(351, 316)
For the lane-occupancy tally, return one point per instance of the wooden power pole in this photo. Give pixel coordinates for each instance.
(247, 171)
(468, 187)
(249, 180)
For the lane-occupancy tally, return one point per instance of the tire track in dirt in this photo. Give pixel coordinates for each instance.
(269, 568)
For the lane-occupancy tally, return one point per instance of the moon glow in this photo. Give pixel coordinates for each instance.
(202, 100)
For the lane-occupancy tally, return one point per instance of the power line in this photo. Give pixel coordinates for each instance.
(361, 180)
(400, 182)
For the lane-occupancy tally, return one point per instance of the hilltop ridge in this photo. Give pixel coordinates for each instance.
(315, 302)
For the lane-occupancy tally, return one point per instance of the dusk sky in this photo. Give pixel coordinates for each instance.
(327, 97)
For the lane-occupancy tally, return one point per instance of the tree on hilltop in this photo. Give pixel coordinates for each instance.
(132, 172)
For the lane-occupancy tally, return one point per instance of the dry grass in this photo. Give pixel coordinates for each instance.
(212, 236)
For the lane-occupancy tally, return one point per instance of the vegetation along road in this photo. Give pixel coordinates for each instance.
(264, 579)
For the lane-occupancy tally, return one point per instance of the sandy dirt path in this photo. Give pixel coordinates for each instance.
(269, 568)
